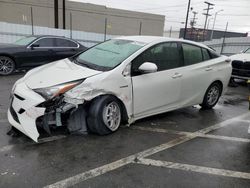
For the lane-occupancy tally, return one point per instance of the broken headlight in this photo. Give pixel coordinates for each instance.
(50, 92)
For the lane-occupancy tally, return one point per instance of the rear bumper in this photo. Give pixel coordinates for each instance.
(22, 113)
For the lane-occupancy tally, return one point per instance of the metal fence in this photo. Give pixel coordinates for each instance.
(229, 46)
(9, 33)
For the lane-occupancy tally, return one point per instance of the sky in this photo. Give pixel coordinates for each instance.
(235, 12)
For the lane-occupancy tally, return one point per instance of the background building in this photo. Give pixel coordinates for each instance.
(196, 34)
(80, 17)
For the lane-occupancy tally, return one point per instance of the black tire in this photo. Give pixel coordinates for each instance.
(7, 65)
(96, 122)
(207, 102)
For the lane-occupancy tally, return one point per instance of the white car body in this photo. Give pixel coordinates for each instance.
(142, 96)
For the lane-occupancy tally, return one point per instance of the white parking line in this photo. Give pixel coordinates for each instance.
(194, 168)
(229, 138)
(43, 140)
(160, 130)
(197, 134)
(244, 121)
(6, 148)
(68, 182)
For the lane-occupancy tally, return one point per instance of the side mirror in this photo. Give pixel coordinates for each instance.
(148, 67)
(34, 45)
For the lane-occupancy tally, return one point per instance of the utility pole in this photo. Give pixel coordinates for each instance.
(105, 29)
(32, 22)
(193, 22)
(170, 32)
(140, 28)
(185, 31)
(56, 13)
(70, 20)
(64, 12)
(212, 33)
(224, 37)
(208, 23)
(207, 14)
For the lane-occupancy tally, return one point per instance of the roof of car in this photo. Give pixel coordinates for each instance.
(47, 36)
(150, 39)
(39, 36)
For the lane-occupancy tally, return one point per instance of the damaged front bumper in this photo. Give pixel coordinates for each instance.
(22, 113)
(28, 110)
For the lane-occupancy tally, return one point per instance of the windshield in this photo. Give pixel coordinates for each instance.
(247, 51)
(109, 54)
(25, 40)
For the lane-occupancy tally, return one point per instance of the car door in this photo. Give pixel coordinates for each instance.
(65, 48)
(39, 52)
(159, 91)
(197, 74)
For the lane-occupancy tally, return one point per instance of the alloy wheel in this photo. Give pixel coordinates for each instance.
(112, 116)
(7, 65)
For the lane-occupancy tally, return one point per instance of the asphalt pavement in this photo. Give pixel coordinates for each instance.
(189, 147)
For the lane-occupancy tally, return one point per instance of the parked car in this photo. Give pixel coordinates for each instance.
(33, 51)
(120, 80)
(241, 65)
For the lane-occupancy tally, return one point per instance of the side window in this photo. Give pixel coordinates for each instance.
(165, 56)
(64, 43)
(206, 55)
(46, 42)
(192, 54)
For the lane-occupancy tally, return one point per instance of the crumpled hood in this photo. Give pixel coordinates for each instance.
(55, 73)
(241, 57)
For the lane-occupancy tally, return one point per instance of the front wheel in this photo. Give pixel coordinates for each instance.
(212, 96)
(7, 66)
(105, 115)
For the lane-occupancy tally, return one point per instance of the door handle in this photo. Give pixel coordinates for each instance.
(177, 75)
(209, 68)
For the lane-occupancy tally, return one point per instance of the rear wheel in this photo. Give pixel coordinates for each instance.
(105, 115)
(7, 65)
(212, 96)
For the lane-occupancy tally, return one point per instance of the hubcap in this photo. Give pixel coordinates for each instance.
(112, 116)
(6, 65)
(213, 95)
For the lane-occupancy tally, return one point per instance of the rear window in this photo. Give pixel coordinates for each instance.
(205, 54)
(213, 54)
(64, 43)
(192, 54)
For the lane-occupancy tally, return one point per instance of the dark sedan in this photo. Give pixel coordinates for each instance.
(33, 51)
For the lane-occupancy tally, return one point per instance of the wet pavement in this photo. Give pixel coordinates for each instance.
(189, 147)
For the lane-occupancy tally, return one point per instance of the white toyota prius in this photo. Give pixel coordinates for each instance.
(118, 81)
